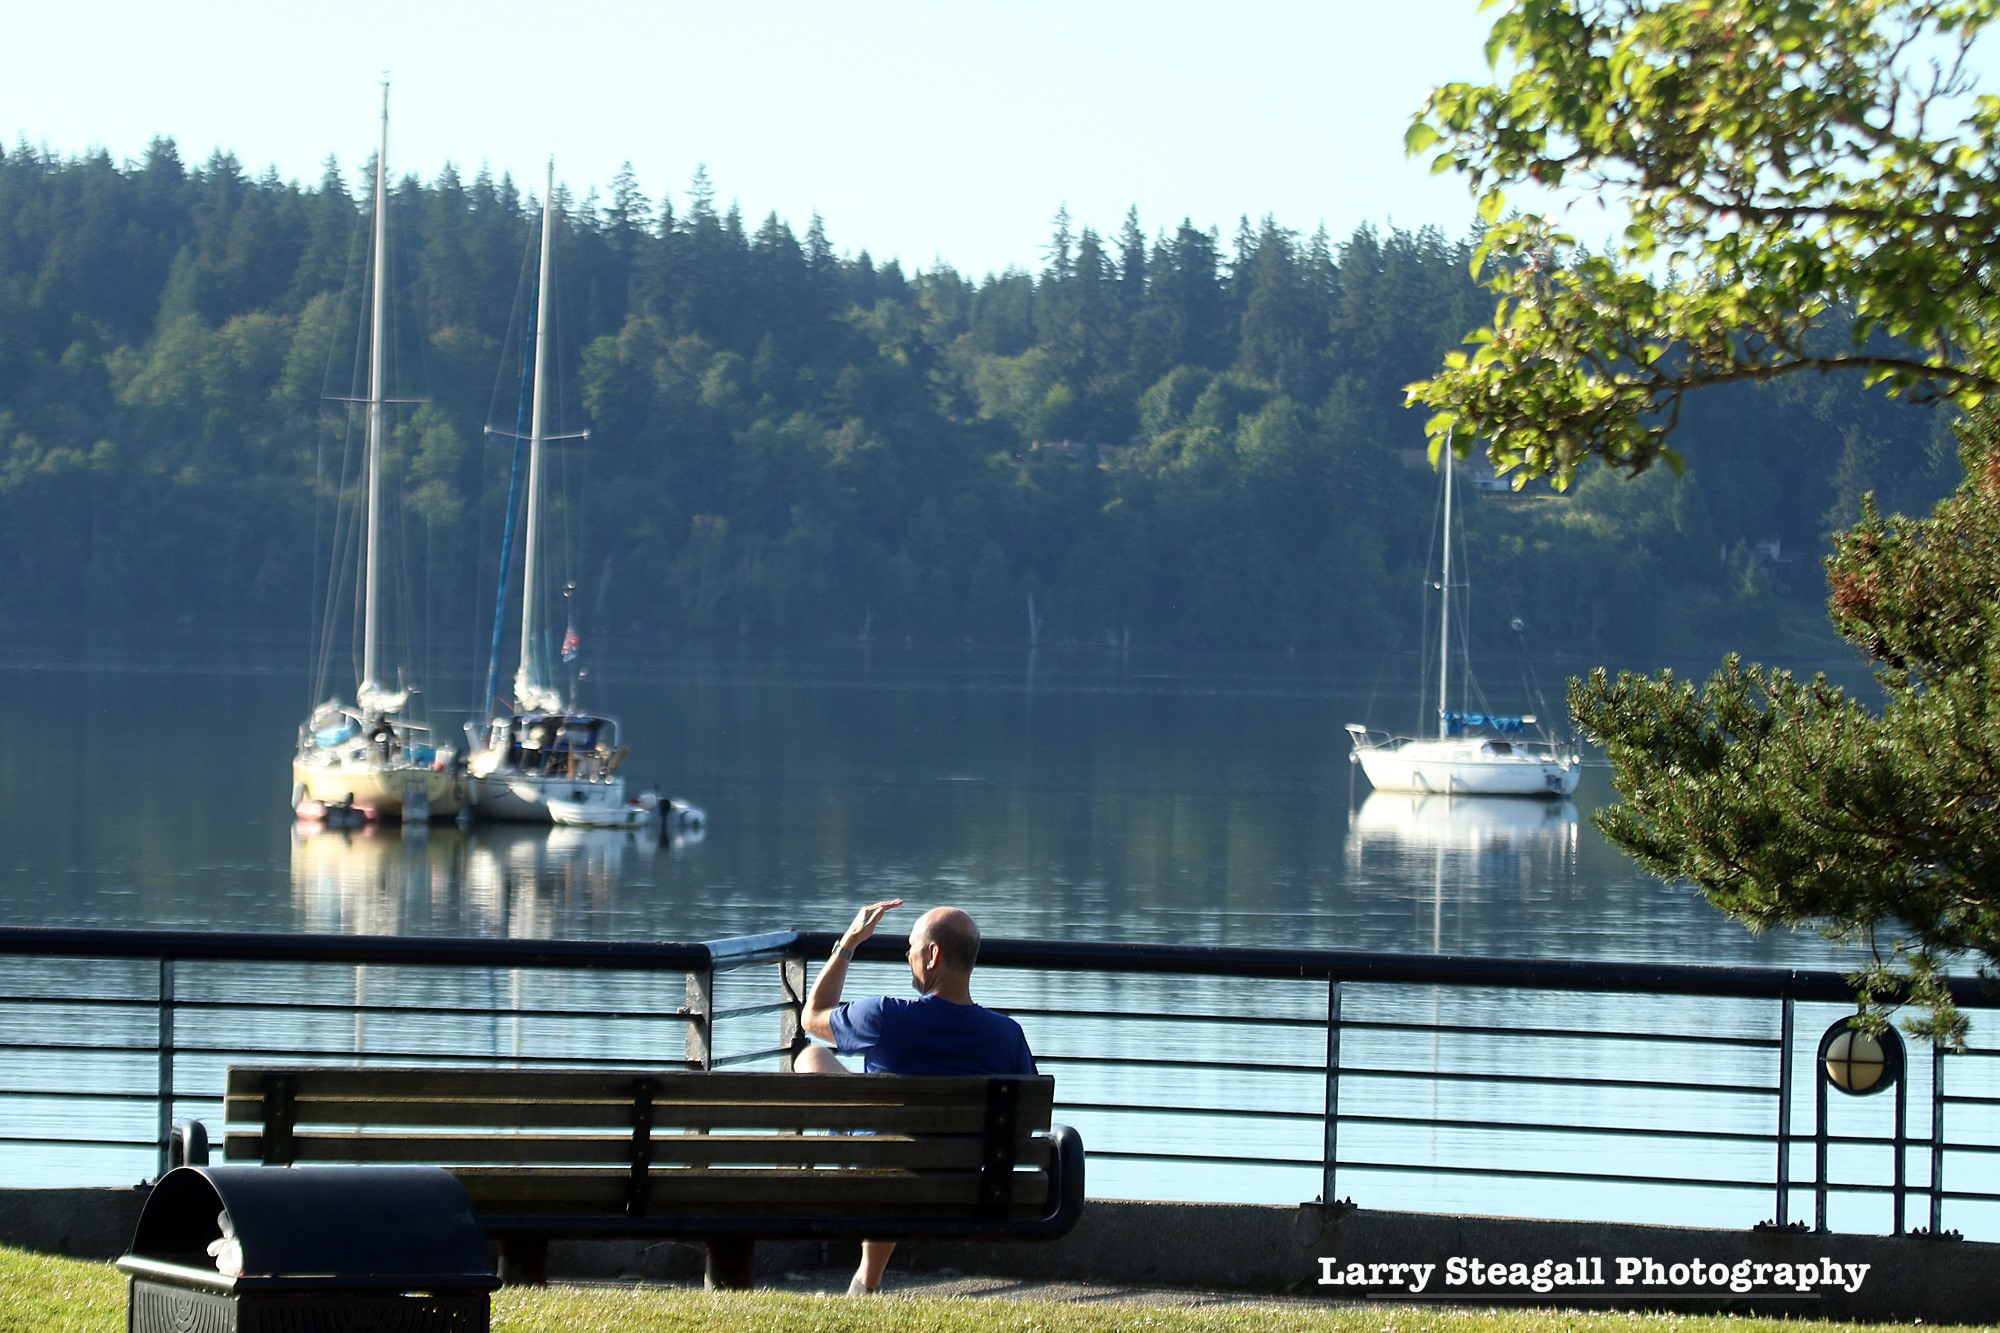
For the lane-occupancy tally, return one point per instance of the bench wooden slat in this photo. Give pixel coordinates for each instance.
(666, 1151)
(314, 1109)
(503, 1191)
(347, 1110)
(671, 1088)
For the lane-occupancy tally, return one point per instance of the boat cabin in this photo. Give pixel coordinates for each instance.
(559, 744)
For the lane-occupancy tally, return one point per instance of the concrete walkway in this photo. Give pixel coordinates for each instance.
(949, 1284)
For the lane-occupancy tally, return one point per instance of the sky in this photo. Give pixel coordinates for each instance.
(920, 130)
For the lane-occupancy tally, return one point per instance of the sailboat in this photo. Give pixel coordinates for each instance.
(1475, 754)
(543, 761)
(366, 762)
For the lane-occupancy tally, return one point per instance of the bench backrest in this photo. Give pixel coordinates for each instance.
(659, 1142)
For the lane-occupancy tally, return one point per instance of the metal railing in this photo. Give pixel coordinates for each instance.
(1536, 1087)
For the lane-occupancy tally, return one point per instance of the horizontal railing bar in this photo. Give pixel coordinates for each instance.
(1409, 969)
(1130, 1108)
(1447, 1075)
(78, 1048)
(750, 950)
(424, 1011)
(149, 1095)
(1588, 1131)
(1178, 959)
(1487, 1126)
(745, 1057)
(1155, 1016)
(1386, 1025)
(1806, 1140)
(1574, 1081)
(77, 1143)
(753, 1011)
(146, 1002)
(1521, 1173)
(454, 1058)
(404, 950)
(1858, 1187)
(1704, 1039)
(1139, 1062)
(1205, 1159)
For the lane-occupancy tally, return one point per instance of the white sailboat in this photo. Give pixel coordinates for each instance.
(365, 761)
(544, 761)
(1475, 754)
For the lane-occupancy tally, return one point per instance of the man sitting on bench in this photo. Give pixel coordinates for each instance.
(943, 1032)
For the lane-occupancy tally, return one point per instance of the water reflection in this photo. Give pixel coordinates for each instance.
(1446, 853)
(487, 880)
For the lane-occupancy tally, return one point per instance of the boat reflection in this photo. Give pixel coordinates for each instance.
(525, 881)
(1489, 849)
(1467, 825)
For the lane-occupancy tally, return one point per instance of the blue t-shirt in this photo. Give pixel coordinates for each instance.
(930, 1036)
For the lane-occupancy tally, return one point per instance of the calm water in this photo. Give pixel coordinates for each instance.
(1077, 795)
(1061, 794)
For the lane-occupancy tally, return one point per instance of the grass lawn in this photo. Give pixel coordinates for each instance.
(39, 1294)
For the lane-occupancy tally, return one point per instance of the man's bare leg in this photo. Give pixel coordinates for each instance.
(815, 1059)
(874, 1258)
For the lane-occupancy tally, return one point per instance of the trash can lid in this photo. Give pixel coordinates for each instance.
(371, 1225)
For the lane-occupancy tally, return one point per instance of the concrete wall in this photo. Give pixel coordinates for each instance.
(1270, 1249)
(1274, 1250)
(81, 1223)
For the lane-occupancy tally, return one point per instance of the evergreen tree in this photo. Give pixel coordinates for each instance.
(1789, 803)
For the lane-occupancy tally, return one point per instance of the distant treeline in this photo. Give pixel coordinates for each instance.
(1160, 437)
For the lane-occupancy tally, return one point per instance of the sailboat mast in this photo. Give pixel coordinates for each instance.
(1444, 600)
(377, 360)
(529, 563)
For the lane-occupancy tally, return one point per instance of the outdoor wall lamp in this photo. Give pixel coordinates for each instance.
(1860, 1063)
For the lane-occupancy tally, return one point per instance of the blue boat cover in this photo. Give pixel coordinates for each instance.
(1457, 724)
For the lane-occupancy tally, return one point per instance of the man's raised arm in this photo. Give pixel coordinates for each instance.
(817, 1018)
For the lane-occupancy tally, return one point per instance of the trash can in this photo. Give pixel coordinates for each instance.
(273, 1249)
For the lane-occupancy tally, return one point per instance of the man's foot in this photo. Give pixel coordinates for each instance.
(859, 1288)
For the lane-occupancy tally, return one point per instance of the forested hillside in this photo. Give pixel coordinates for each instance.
(1163, 436)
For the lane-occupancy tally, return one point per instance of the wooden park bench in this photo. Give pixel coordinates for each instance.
(726, 1159)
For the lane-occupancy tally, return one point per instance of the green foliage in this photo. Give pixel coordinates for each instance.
(1159, 438)
(1781, 163)
(1788, 803)
(1808, 187)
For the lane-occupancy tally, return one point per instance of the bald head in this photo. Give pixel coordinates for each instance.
(952, 931)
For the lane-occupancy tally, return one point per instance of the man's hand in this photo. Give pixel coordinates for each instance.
(865, 921)
(816, 1016)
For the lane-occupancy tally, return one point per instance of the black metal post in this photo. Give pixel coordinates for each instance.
(1937, 1138)
(1786, 1034)
(1819, 1147)
(1330, 1159)
(1900, 1177)
(166, 1056)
